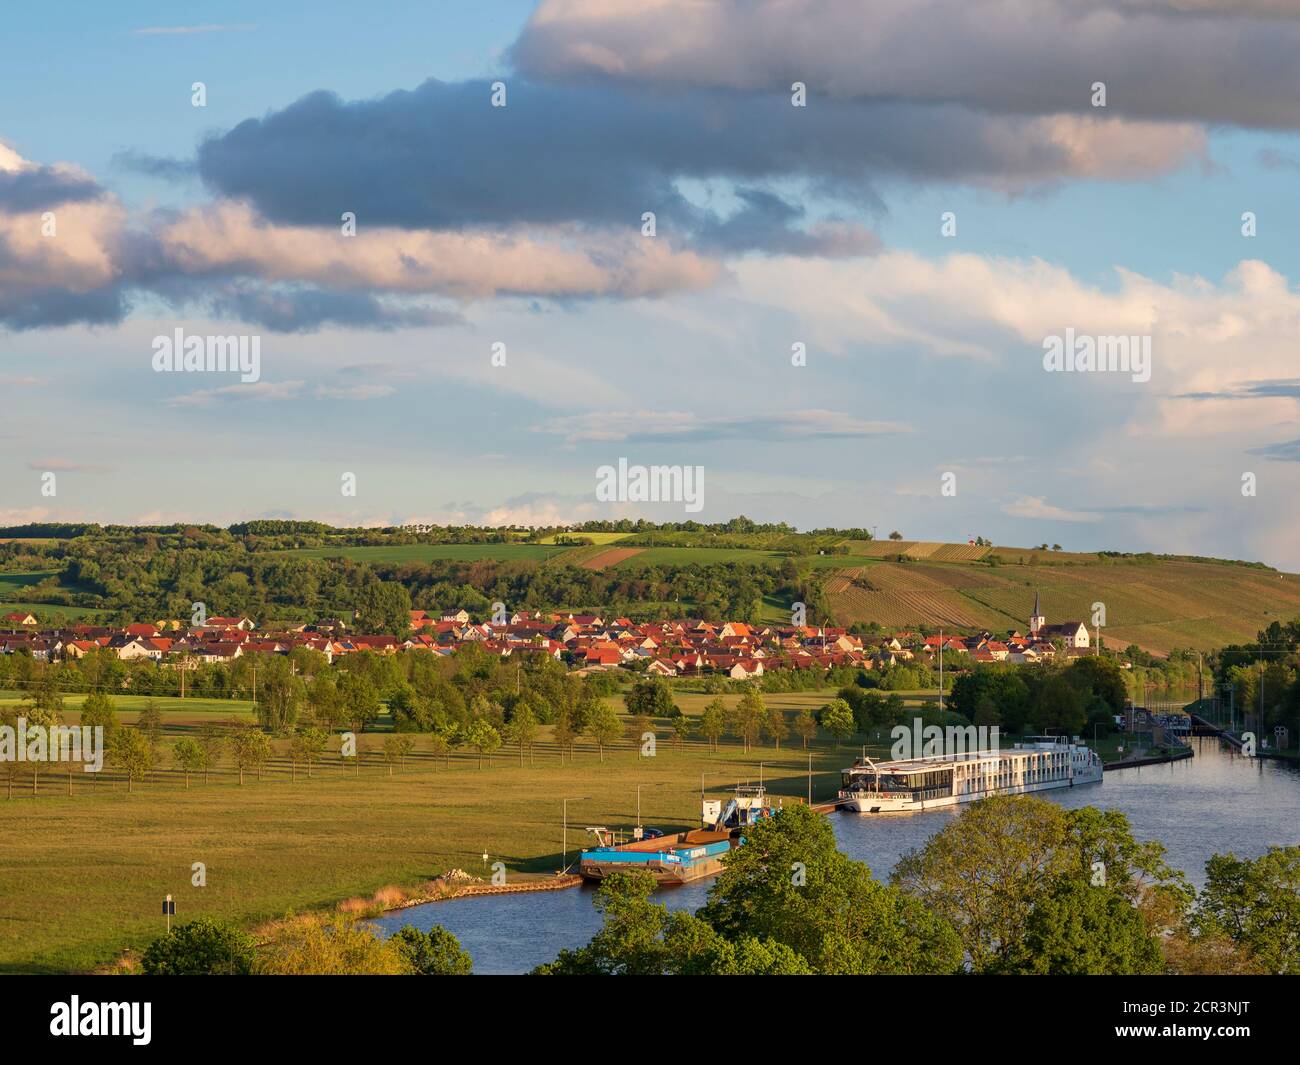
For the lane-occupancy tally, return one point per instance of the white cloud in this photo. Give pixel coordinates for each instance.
(1037, 508)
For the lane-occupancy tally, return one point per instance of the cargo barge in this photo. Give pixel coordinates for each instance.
(680, 857)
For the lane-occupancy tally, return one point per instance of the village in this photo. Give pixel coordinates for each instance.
(584, 642)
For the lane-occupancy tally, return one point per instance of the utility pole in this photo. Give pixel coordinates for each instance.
(810, 778)
(564, 847)
(940, 670)
(1200, 679)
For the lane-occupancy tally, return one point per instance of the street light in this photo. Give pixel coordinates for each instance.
(564, 847)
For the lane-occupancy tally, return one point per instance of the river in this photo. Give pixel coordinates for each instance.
(1216, 802)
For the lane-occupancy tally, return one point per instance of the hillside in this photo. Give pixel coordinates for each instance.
(1158, 604)
(297, 570)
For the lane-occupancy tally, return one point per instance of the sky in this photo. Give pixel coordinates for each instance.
(946, 193)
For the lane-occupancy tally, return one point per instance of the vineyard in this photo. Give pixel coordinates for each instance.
(897, 596)
(1157, 604)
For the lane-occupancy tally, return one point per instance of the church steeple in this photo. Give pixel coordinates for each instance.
(1036, 620)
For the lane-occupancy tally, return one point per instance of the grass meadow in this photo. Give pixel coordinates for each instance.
(82, 876)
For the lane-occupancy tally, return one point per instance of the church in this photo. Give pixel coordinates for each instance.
(1072, 633)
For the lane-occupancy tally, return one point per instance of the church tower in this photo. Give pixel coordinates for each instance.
(1036, 620)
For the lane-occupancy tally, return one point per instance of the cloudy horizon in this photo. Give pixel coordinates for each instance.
(660, 249)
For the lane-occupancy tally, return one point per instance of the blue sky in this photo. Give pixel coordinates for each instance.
(775, 225)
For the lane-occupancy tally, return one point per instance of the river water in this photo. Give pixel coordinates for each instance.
(1216, 802)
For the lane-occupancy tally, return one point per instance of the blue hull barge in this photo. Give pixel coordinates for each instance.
(683, 856)
(675, 859)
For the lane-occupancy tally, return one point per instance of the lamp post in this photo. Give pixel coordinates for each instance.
(564, 846)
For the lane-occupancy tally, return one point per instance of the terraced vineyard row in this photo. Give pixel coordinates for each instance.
(897, 596)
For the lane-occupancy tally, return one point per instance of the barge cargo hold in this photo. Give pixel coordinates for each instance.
(675, 859)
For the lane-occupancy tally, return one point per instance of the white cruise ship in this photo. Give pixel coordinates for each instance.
(1037, 764)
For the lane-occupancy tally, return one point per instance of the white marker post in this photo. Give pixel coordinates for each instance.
(169, 911)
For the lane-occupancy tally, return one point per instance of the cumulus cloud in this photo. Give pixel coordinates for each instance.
(292, 278)
(1215, 61)
(1214, 342)
(440, 157)
(26, 186)
(228, 238)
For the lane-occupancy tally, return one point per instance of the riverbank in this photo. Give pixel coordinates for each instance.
(1163, 757)
(1253, 807)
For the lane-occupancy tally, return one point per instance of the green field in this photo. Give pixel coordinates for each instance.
(100, 860)
(433, 552)
(129, 706)
(13, 585)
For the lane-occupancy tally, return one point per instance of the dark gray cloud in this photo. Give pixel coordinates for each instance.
(44, 306)
(1216, 61)
(41, 188)
(302, 309)
(769, 223)
(439, 156)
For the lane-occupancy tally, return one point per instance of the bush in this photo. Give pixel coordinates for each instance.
(433, 953)
(202, 947)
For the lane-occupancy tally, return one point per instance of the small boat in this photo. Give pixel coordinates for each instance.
(680, 857)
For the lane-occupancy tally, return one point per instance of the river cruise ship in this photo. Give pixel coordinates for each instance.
(1039, 763)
